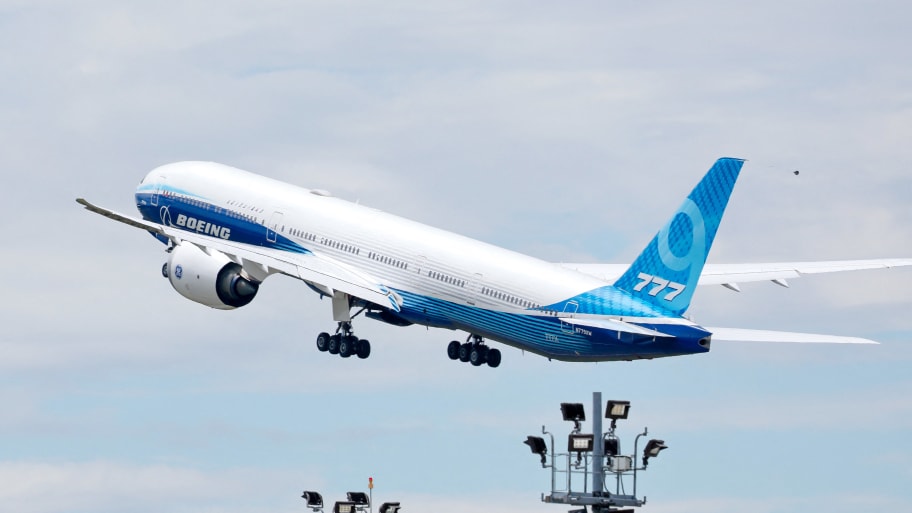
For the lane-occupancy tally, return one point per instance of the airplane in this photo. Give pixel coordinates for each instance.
(226, 230)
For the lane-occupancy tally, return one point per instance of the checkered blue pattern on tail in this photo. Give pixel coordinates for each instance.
(667, 271)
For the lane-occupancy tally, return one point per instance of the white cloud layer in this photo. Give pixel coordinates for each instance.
(39, 487)
(533, 126)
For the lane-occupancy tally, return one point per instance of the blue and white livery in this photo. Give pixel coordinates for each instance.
(227, 230)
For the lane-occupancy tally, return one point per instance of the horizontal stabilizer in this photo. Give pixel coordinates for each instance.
(613, 325)
(746, 335)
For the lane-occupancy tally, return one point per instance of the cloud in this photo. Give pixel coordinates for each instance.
(846, 502)
(39, 487)
(570, 132)
(868, 409)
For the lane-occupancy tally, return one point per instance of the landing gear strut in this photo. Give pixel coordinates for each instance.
(474, 351)
(344, 343)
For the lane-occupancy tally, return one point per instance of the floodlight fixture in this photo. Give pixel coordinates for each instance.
(617, 410)
(389, 507)
(573, 412)
(612, 447)
(359, 498)
(344, 507)
(314, 500)
(538, 446)
(653, 448)
(580, 443)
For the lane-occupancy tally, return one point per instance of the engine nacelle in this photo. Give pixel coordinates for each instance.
(212, 280)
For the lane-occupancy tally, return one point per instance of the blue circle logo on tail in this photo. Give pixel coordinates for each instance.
(668, 270)
(682, 242)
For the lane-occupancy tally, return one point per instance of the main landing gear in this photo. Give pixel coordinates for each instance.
(475, 351)
(344, 343)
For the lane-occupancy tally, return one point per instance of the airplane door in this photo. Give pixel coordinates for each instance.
(273, 226)
(156, 191)
(570, 308)
(474, 288)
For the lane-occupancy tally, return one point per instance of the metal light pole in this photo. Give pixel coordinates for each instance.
(598, 446)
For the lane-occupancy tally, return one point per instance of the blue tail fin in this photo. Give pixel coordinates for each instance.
(666, 272)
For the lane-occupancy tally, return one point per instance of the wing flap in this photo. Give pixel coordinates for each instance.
(748, 276)
(718, 274)
(605, 272)
(748, 335)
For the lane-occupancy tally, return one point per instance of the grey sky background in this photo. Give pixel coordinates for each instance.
(567, 131)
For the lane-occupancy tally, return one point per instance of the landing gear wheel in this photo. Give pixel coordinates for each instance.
(464, 352)
(323, 342)
(347, 346)
(477, 355)
(334, 344)
(364, 349)
(493, 358)
(453, 350)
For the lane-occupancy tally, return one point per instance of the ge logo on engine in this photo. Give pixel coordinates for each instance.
(178, 272)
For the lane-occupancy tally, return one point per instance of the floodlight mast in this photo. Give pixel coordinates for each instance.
(357, 502)
(600, 500)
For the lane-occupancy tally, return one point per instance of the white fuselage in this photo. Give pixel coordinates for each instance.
(444, 279)
(395, 251)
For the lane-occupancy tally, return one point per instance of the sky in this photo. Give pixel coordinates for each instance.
(568, 131)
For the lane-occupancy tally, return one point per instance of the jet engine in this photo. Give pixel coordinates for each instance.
(209, 279)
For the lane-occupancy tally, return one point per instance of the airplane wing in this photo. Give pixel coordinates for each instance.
(730, 275)
(746, 335)
(326, 274)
